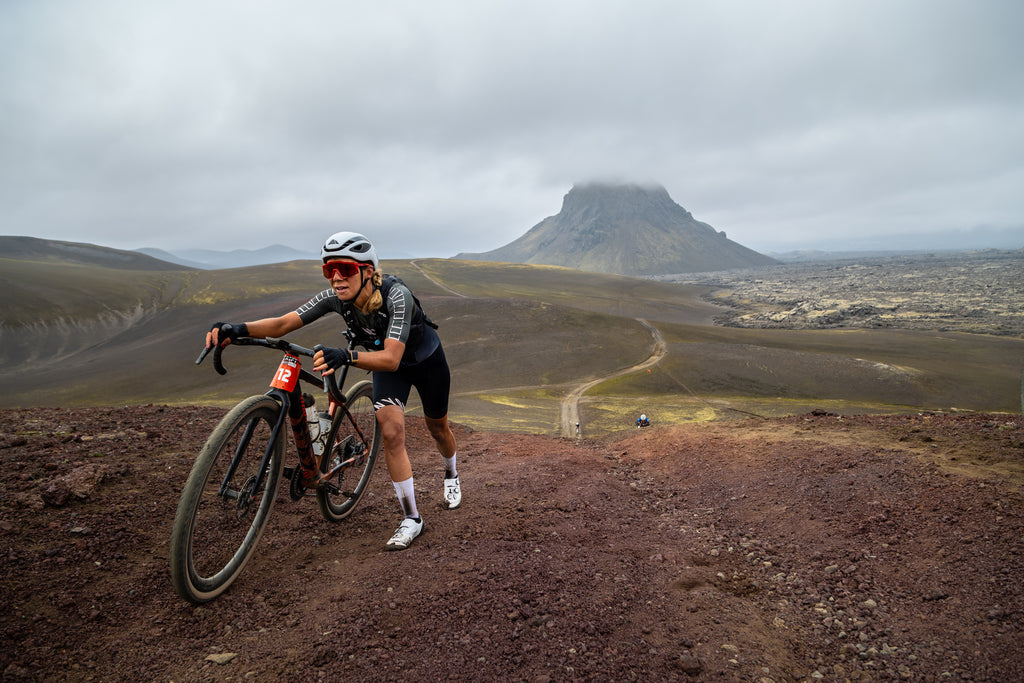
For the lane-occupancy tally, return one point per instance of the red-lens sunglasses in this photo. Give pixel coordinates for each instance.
(345, 269)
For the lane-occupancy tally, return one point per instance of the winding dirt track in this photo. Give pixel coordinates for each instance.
(571, 401)
(443, 286)
(570, 414)
(570, 410)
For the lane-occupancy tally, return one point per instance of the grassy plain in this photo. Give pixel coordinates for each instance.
(519, 339)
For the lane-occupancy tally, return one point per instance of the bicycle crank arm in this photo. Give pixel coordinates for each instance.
(337, 468)
(335, 491)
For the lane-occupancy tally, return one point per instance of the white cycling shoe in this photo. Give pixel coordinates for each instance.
(453, 492)
(405, 533)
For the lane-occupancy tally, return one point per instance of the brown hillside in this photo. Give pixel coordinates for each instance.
(815, 547)
(41, 250)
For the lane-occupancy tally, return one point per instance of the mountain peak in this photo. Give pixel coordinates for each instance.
(627, 229)
(624, 200)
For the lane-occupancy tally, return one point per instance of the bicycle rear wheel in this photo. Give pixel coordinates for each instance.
(222, 513)
(354, 434)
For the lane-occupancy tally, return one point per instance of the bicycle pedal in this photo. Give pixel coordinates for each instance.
(288, 472)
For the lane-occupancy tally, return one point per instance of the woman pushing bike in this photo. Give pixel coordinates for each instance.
(402, 350)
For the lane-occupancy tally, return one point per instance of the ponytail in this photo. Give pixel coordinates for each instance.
(376, 301)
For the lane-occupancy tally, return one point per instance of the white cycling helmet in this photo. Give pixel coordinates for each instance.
(349, 245)
(643, 417)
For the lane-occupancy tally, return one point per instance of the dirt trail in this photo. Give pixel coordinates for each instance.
(443, 286)
(571, 401)
(570, 410)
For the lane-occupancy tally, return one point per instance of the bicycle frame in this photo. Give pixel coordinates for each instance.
(286, 390)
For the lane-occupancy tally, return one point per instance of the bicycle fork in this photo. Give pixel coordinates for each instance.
(245, 493)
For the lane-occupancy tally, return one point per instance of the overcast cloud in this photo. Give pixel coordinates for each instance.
(447, 126)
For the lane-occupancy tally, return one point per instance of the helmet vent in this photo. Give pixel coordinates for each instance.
(350, 244)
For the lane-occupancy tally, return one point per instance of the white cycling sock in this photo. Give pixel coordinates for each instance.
(407, 497)
(449, 466)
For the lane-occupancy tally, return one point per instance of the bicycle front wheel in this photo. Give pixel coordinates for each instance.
(354, 435)
(224, 506)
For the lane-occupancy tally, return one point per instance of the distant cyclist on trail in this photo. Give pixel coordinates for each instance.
(642, 421)
(402, 350)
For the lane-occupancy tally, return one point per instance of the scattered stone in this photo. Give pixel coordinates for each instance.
(689, 665)
(16, 671)
(79, 484)
(30, 501)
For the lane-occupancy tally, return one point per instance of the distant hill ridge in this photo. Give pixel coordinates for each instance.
(36, 249)
(210, 259)
(628, 230)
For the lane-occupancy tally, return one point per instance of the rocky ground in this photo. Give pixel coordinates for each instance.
(808, 548)
(976, 292)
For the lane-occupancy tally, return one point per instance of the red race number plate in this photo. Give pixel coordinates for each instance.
(287, 375)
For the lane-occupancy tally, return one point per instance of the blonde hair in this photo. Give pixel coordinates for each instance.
(376, 301)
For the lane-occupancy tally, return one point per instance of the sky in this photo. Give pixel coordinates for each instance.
(452, 126)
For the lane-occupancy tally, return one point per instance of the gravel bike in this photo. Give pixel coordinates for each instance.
(231, 490)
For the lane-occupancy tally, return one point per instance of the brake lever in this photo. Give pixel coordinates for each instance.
(326, 378)
(206, 351)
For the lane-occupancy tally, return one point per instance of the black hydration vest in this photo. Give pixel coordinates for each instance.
(422, 342)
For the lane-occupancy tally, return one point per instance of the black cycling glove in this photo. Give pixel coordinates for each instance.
(231, 331)
(336, 358)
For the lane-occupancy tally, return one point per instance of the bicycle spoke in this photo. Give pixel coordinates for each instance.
(355, 441)
(227, 499)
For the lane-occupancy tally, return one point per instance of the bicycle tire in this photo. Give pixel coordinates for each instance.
(214, 535)
(335, 500)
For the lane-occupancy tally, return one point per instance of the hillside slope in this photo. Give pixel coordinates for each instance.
(799, 549)
(625, 229)
(54, 251)
(519, 338)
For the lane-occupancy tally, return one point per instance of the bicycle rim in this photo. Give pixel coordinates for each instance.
(221, 517)
(354, 434)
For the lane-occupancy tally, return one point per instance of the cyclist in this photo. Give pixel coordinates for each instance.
(642, 421)
(402, 350)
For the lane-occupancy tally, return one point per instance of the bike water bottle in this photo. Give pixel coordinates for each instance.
(313, 419)
(317, 432)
